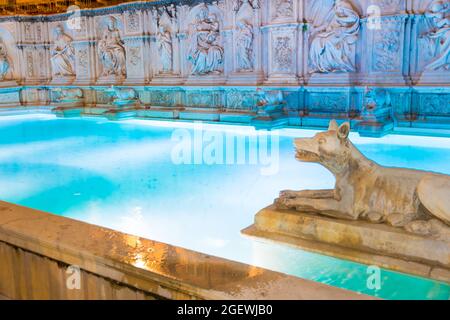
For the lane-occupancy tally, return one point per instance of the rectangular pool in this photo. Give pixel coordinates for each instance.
(193, 185)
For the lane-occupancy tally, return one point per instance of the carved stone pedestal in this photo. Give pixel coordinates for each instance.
(359, 241)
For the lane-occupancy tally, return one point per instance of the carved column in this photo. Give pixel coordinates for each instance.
(134, 46)
(281, 37)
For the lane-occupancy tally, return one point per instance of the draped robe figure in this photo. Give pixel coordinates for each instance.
(438, 38)
(244, 46)
(205, 54)
(112, 51)
(165, 50)
(63, 54)
(332, 50)
(5, 63)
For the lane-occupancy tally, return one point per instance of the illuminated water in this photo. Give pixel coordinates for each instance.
(121, 175)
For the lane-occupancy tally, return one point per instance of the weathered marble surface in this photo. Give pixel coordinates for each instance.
(141, 268)
(323, 55)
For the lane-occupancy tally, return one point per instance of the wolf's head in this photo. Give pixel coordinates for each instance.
(331, 148)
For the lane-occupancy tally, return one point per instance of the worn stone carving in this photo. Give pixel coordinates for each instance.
(111, 50)
(68, 94)
(63, 54)
(237, 4)
(283, 52)
(331, 102)
(415, 200)
(436, 104)
(284, 8)
(240, 100)
(244, 46)
(165, 49)
(122, 96)
(135, 56)
(332, 46)
(5, 62)
(206, 53)
(132, 21)
(376, 106)
(386, 48)
(437, 39)
(29, 64)
(83, 59)
(28, 32)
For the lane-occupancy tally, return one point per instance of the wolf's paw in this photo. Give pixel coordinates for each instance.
(288, 194)
(283, 203)
(398, 219)
(375, 217)
(420, 227)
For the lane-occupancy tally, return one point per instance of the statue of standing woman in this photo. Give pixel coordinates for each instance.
(244, 46)
(165, 49)
(333, 45)
(111, 51)
(62, 55)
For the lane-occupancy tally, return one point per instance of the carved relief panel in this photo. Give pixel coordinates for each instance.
(387, 47)
(133, 22)
(245, 35)
(434, 37)
(166, 46)
(282, 55)
(333, 32)
(282, 10)
(62, 53)
(8, 59)
(111, 51)
(206, 52)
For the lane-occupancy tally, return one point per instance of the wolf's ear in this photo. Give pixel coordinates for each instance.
(343, 131)
(333, 126)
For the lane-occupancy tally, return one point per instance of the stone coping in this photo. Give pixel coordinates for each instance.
(154, 267)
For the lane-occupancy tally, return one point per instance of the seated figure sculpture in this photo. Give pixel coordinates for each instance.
(418, 201)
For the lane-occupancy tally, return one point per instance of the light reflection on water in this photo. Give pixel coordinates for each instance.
(120, 175)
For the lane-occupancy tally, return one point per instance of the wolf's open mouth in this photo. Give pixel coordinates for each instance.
(303, 154)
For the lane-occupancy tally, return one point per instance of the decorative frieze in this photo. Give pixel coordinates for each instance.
(325, 53)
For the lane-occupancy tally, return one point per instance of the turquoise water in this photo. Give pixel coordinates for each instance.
(124, 175)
